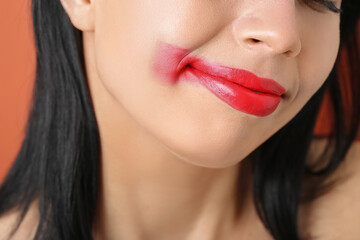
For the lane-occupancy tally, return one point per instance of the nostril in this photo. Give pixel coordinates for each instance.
(252, 41)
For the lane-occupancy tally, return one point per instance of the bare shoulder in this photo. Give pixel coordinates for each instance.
(336, 215)
(27, 227)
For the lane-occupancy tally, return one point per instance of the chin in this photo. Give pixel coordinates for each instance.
(207, 155)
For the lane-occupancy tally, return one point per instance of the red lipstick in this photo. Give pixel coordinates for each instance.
(240, 89)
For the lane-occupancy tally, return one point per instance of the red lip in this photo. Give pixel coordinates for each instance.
(242, 77)
(240, 89)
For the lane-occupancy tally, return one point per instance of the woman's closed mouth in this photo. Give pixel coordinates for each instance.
(239, 88)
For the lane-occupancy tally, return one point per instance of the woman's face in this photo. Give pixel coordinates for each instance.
(140, 45)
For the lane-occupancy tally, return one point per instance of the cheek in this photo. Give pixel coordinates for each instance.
(123, 39)
(125, 36)
(318, 59)
(314, 64)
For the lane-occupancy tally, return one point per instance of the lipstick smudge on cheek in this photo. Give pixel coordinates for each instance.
(166, 62)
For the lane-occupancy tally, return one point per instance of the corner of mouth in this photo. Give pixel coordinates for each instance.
(284, 96)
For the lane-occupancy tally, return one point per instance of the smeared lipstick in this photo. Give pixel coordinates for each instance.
(240, 89)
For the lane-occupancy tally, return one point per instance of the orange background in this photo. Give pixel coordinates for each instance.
(17, 70)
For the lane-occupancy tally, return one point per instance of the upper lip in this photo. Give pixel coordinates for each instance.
(242, 77)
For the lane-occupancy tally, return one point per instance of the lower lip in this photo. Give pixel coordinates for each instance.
(235, 95)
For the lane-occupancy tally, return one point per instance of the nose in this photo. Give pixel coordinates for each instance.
(269, 27)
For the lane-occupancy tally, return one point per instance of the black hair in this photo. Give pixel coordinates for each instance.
(59, 160)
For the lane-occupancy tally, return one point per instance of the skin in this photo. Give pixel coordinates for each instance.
(171, 154)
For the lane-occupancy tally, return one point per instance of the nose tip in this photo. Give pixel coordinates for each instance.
(274, 38)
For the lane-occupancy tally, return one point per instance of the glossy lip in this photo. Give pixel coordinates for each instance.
(242, 77)
(241, 89)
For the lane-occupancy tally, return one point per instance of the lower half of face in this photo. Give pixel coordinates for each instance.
(141, 48)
